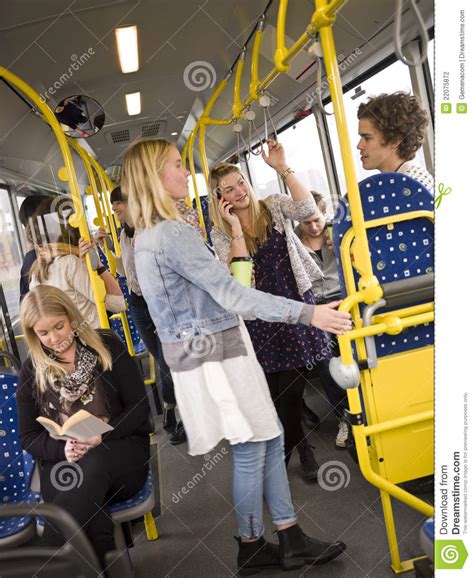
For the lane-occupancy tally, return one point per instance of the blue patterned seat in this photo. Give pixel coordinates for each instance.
(398, 251)
(16, 466)
(138, 501)
(116, 324)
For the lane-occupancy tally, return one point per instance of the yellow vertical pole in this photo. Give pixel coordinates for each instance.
(93, 191)
(368, 283)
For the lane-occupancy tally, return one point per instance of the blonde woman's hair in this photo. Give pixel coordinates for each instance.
(148, 200)
(45, 300)
(260, 216)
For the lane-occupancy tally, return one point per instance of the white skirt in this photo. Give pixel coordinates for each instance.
(226, 399)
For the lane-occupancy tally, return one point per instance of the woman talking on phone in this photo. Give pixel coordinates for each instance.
(243, 225)
(220, 387)
(74, 367)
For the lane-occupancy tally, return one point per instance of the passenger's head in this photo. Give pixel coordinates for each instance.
(119, 204)
(314, 226)
(153, 180)
(29, 207)
(51, 323)
(228, 182)
(50, 223)
(392, 128)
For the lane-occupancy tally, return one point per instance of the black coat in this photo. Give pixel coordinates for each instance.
(125, 396)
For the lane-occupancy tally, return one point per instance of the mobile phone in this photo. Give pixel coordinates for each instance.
(329, 230)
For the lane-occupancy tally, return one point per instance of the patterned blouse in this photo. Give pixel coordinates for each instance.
(284, 209)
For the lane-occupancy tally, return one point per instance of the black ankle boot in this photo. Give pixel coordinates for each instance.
(256, 556)
(309, 418)
(309, 465)
(297, 549)
(169, 420)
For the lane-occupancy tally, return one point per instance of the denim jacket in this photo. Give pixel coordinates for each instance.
(190, 293)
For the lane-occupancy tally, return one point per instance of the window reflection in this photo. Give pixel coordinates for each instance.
(11, 256)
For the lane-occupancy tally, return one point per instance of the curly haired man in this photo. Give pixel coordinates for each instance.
(392, 128)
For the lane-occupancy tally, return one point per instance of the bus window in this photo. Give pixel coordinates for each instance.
(201, 185)
(431, 58)
(264, 178)
(303, 154)
(394, 78)
(10, 256)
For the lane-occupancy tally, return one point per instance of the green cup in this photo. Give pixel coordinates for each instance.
(241, 268)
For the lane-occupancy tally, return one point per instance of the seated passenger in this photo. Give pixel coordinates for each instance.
(140, 314)
(220, 387)
(392, 128)
(263, 229)
(72, 367)
(28, 208)
(313, 234)
(61, 263)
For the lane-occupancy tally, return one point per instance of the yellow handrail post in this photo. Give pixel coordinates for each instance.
(253, 88)
(106, 185)
(205, 121)
(78, 218)
(237, 107)
(92, 189)
(368, 283)
(281, 51)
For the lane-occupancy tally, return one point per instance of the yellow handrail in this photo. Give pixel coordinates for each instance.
(368, 282)
(237, 107)
(283, 56)
(78, 218)
(254, 83)
(92, 189)
(205, 121)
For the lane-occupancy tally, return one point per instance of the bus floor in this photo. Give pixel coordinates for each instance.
(197, 521)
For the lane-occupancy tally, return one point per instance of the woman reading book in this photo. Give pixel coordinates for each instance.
(74, 368)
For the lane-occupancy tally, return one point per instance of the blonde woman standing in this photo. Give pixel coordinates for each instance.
(72, 367)
(220, 387)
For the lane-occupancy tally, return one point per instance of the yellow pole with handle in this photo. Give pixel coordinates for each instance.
(237, 107)
(368, 283)
(206, 121)
(254, 83)
(106, 184)
(68, 174)
(92, 189)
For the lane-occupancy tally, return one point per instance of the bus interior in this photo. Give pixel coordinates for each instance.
(200, 82)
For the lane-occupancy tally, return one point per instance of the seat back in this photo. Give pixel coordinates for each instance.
(399, 250)
(16, 466)
(75, 558)
(116, 324)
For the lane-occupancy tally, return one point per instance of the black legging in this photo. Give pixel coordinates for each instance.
(112, 472)
(286, 389)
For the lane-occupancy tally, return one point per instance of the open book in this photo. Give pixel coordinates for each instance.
(82, 426)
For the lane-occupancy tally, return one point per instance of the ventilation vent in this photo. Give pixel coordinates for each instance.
(151, 129)
(120, 136)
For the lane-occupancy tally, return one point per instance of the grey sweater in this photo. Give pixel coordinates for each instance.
(326, 288)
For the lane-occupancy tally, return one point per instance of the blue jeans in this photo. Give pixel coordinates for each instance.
(260, 472)
(147, 330)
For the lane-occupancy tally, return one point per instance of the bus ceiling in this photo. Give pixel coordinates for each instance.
(185, 49)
